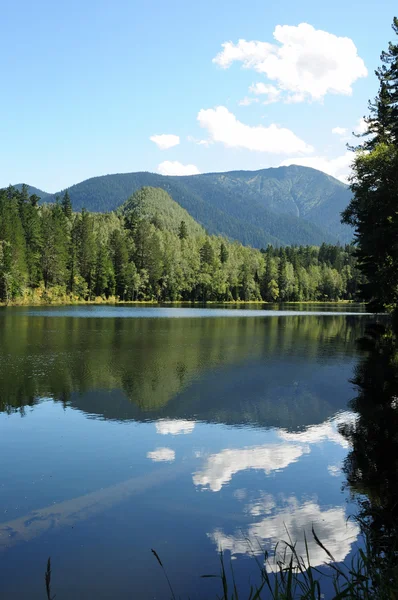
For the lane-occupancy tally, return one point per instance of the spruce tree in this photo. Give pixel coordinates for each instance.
(224, 254)
(183, 231)
(374, 183)
(67, 205)
(86, 248)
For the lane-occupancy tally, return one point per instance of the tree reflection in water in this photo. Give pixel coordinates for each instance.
(371, 466)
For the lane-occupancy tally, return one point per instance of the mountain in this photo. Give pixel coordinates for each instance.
(281, 206)
(33, 190)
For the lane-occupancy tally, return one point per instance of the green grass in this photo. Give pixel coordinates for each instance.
(285, 575)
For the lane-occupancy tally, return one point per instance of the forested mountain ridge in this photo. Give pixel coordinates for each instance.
(151, 249)
(33, 190)
(282, 206)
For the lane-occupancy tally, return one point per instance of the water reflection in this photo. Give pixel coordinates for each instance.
(328, 431)
(162, 455)
(180, 435)
(371, 466)
(174, 427)
(277, 371)
(71, 512)
(287, 517)
(220, 468)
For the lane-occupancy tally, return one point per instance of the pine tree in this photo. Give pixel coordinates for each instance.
(86, 248)
(120, 260)
(373, 208)
(206, 253)
(32, 225)
(67, 205)
(104, 277)
(54, 257)
(183, 231)
(13, 269)
(282, 276)
(224, 254)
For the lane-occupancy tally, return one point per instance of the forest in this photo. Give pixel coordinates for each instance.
(292, 205)
(151, 249)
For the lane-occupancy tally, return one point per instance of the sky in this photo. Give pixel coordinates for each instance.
(179, 87)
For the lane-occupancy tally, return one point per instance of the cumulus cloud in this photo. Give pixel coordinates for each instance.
(165, 141)
(331, 526)
(169, 167)
(174, 427)
(162, 455)
(339, 130)
(270, 91)
(305, 63)
(220, 468)
(339, 167)
(224, 127)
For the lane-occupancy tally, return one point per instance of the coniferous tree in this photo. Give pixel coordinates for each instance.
(183, 231)
(32, 226)
(67, 205)
(223, 253)
(104, 278)
(54, 260)
(86, 249)
(103, 255)
(374, 183)
(120, 261)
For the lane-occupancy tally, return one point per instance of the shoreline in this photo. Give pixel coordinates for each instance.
(113, 302)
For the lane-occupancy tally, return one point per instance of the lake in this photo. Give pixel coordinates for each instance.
(184, 430)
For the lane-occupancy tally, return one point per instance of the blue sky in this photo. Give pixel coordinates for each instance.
(86, 84)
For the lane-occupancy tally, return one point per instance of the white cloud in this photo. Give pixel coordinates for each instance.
(339, 167)
(339, 130)
(306, 63)
(331, 527)
(174, 427)
(162, 455)
(220, 467)
(224, 127)
(169, 167)
(165, 141)
(247, 101)
(361, 126)
(270, 91)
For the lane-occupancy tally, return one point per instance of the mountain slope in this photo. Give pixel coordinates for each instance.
(286, 205)
(33, 190)
(297, 191)
(154, 204)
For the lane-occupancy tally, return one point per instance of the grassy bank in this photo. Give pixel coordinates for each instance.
(70, 300)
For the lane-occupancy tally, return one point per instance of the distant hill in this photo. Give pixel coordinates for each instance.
(155, 204)
(281, 206)
(33, 190)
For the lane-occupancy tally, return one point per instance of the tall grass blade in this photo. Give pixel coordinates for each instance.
(165, 573)
(47, 577)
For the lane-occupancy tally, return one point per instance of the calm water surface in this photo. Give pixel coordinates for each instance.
(124, 429)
